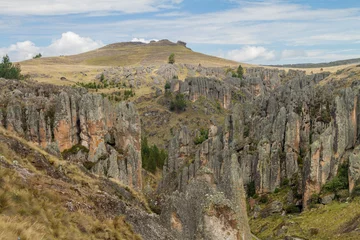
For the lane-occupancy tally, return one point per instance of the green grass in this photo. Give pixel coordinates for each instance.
(323, 222)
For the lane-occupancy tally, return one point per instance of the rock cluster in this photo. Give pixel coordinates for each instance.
(106, 136)
(212, 89)
(285, 128)
(209, 179)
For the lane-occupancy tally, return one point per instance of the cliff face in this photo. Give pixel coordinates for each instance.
(296, 128)
(104, 136)
(208, 198)
(209, 88)
(287, 128)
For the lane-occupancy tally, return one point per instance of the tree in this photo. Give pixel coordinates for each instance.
(37, 56)
(179, 103)
(240, 72)
(152, 157)
(8, 70)
(172, 58)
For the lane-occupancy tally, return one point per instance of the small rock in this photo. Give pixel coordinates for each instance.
(328, 198)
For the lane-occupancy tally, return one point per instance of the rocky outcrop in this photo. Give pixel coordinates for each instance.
(64, 120)
(207, 198)
(287, 128)
(212, 89)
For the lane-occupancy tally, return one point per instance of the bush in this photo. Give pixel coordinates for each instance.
(285, 182)
(9, 70)
(74, 150)
(204, 135)
(240, 72)
(251, 189)
(292, 208)
(178, 104)
(171, 58)
(264, 199)
(152, 157)
(167, 86)
(340, 181)
(102, 77)
(37, 56)
(277, 190)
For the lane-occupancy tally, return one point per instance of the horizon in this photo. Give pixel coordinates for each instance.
(258, 32)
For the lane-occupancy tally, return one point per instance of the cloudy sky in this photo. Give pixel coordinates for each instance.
(257, 31)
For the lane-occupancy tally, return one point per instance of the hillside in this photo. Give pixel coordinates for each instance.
(133, 53)
(320, 65)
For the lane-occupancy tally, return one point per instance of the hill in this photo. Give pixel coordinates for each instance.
(319, 65)
(135, 53)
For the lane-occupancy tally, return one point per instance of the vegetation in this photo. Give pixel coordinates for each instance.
(167, 86)
(264, 199)
(340, 181)
(292, 208)
(74, 150)
(102, 77)
(31, 211)
(250, 189)
(152, 157)
(178, 104)
(8, 70)
(37, 56)
(240, 72)
(171, 58)
(202, 137)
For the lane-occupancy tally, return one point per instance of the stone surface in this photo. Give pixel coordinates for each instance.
(60, 118)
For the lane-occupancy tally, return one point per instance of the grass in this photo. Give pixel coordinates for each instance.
(34, 205)
(323, 222)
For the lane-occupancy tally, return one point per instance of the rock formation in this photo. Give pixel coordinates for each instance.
(285, 128)
(207, 199)
(211, 89)
(105, 136)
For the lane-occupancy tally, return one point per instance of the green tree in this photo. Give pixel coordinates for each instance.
(167, 86)
(152, 158)
(240, 72)
(178, 104)
(171, 58)
(37, 56)
(102, 77)
(8, 70)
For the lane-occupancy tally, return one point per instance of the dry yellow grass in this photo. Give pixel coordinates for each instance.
(33, 204)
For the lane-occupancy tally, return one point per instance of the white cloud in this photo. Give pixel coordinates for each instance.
(45, 7)
(69, 43)
(251, 53)
(143, 40)
(20, 51)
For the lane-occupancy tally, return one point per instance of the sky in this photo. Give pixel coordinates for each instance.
(258, 31)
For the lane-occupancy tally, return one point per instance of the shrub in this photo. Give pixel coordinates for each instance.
(277, 190)
(167, 86)
(37, 56)
(240, 72)
(246, 131)
(285, 182)
(204, 134)
(251, 189)
(340, 181)
(9, 70)
(178, 104)
(102, 77)
(152, 157)
(171, 58)
(292, 208)
(264, 199)
(74, 150)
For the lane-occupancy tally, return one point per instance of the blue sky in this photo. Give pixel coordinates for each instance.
(265, 32)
